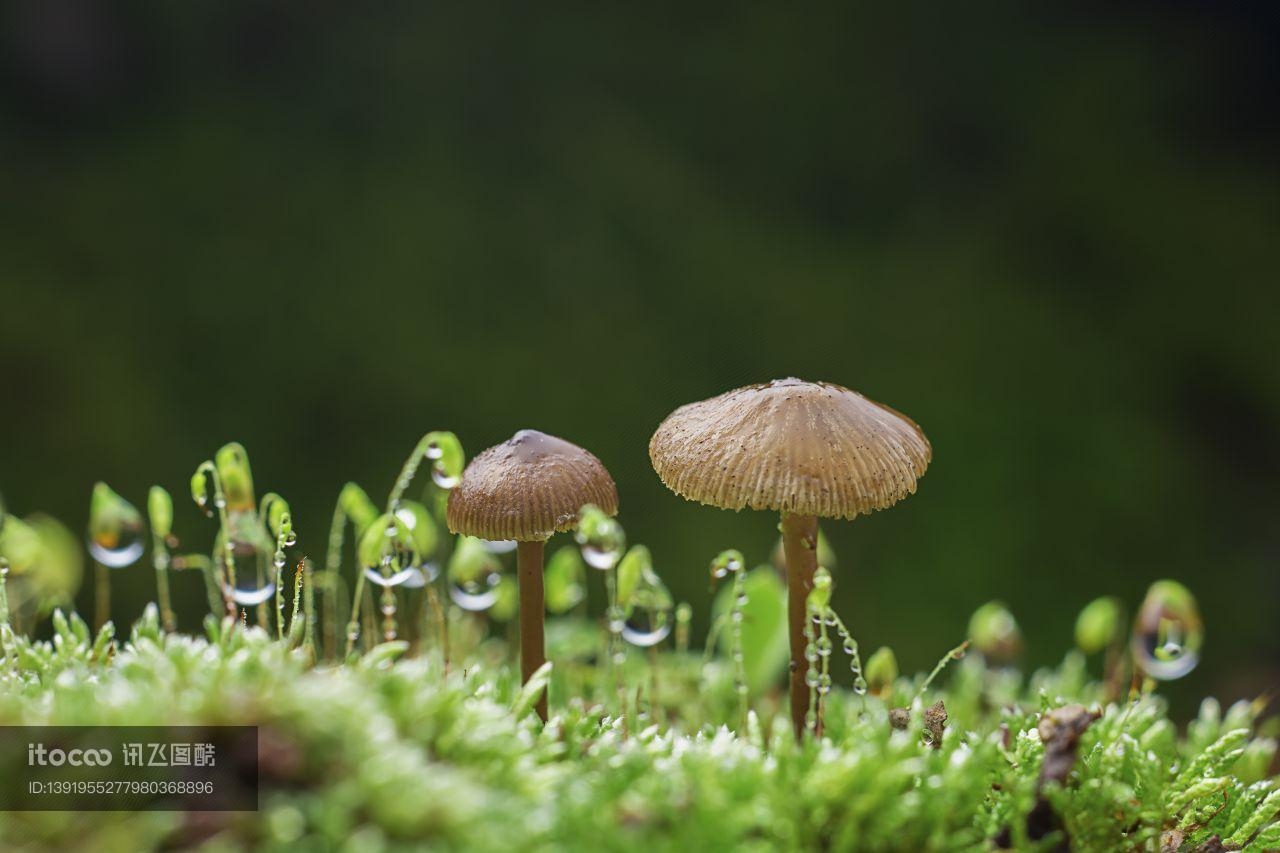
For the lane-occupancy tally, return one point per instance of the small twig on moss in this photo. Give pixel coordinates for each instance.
(1060, 730)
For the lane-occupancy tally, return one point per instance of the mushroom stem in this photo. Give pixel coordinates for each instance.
(800, 544)
(532, 651)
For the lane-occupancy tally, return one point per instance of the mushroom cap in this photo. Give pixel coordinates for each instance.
(808, 448)
(527, 488)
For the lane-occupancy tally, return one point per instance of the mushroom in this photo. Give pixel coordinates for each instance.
(528, 488)
(808, 450)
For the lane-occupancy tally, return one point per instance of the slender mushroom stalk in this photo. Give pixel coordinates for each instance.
(799, 540)
(526, 489)
(532, 645)
(808, 450)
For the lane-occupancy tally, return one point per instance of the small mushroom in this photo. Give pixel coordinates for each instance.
(808, 450)
(527, 488)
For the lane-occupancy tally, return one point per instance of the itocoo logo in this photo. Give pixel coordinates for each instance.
(38, 755)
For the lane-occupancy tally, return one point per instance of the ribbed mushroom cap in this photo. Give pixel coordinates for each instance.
(527, 488)
(809, 448)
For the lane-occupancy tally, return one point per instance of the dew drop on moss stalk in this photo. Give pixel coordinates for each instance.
(116, 529)
(1167, 632)
(250, 594)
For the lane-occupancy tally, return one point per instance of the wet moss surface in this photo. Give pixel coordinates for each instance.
(387, 751)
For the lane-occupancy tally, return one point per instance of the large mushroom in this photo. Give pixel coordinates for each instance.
(528, 488)
(807, 450)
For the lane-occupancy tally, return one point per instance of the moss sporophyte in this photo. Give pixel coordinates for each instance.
(436, 681)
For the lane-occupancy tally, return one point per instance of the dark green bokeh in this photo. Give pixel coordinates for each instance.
(1050, 240)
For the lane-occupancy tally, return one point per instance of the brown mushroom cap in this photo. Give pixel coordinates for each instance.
(808, 448)
(527, 488)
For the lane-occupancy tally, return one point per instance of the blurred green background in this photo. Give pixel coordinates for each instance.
(1048, 236)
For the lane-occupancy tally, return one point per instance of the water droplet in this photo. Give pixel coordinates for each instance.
(388, 550)
(860, 685)
(403, 577)
(117, 533)
(811, 677)
(615, 619)
(1168, 631)
(600, 558)
(726, 563)
(417, 520)
(443, 478)
(444, 452)
(646, 627)
(248, 593)
(422, 575)
(253, 552)
(601, 538)
(476, 594)
(474, 575)
(850, 646)
(650, 611)
(117, 557)
(824, 646)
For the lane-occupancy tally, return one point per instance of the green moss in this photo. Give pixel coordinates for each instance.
(388, 751)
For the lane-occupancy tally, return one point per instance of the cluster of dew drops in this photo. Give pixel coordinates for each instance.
(730, 564)
(390, 553)
(395, 551)
(1165, 642)
(819, 646)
